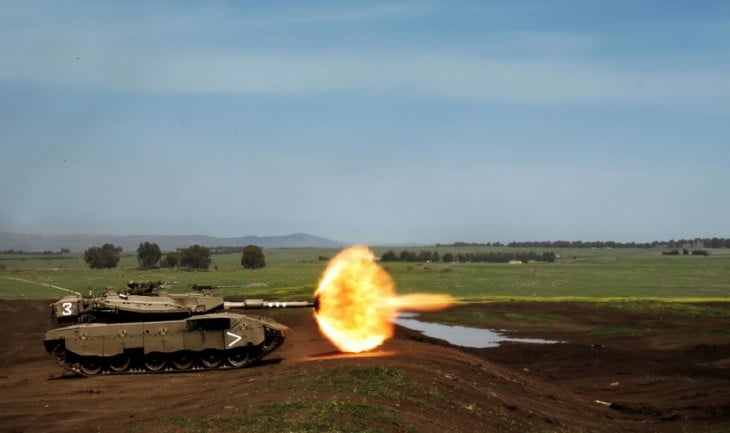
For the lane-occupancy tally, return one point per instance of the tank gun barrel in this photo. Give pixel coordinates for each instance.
(260, 304)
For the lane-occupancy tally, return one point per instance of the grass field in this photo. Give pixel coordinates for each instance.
(293, 274)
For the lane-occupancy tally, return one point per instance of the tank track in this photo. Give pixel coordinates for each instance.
(137, 364)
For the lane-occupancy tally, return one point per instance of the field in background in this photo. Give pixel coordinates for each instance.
(662, 363)
(294, 273)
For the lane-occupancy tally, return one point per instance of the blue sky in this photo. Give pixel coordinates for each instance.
(367, 122)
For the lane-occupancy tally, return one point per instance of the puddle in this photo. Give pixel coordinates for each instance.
(462, 335)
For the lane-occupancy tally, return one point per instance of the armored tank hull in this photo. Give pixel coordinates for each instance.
(205, 341)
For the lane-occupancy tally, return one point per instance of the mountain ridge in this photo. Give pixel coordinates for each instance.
(78, 242)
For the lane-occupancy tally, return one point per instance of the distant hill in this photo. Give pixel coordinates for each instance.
(80, 242)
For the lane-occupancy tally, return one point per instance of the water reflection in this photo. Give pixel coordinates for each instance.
(461, 335)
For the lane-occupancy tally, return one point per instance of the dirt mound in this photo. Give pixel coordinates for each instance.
(675, 380)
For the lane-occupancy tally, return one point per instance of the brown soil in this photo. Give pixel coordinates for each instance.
(673, 376)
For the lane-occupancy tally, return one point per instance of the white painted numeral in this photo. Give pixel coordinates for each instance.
(66, 308)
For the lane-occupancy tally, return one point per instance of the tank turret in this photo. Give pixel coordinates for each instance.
(153, 305)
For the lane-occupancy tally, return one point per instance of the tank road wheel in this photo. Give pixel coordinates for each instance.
(154, 361)
(182, 360)
(211, 358)
(119, 362)
(91, 365)
(238, 357)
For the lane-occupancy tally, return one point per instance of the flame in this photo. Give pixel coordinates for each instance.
(357, 303)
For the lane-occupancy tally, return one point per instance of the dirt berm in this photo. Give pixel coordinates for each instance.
(615, 371)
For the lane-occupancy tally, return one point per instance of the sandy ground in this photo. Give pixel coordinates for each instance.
(675, 377)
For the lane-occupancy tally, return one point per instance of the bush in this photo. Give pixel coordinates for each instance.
(389, 257)
(106, 256)
(195, 257)
(148, 254)
(171, 260)
(253, 257)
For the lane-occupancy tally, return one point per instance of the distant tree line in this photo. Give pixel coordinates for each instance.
(224, 250)
(482, 257)
(40, 253)
(411, 256)
(714, 242)
(149, 254)
(194, 257)
(686, 252)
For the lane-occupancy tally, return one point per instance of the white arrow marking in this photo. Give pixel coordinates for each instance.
(236, 336)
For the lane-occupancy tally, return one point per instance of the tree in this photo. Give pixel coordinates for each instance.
(424, 256)
(106, 256)
(448, 258)
(408, 256)
(148, 254)
(253, 257)
(389, 256)
(171, 260)
(195, 257)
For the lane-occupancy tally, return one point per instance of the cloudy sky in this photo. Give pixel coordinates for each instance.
(367, 122)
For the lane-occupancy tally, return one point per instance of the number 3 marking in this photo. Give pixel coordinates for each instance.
(66, 308)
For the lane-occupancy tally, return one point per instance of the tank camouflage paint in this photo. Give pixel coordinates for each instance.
(114, 307)
(204, 341)
(120, 332)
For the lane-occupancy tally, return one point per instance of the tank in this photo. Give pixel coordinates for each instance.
(159, 331)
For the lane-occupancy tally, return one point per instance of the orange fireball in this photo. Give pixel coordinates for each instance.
(357, 304)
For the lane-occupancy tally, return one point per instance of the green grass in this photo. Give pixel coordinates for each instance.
(367, 399)
(611, 275)
(328, 400)
(300, 415)
(619, 331)
(690, 308)
(289, 273)
(372, 382)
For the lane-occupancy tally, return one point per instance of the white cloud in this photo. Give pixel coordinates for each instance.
(447, 75)
(178, 52)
